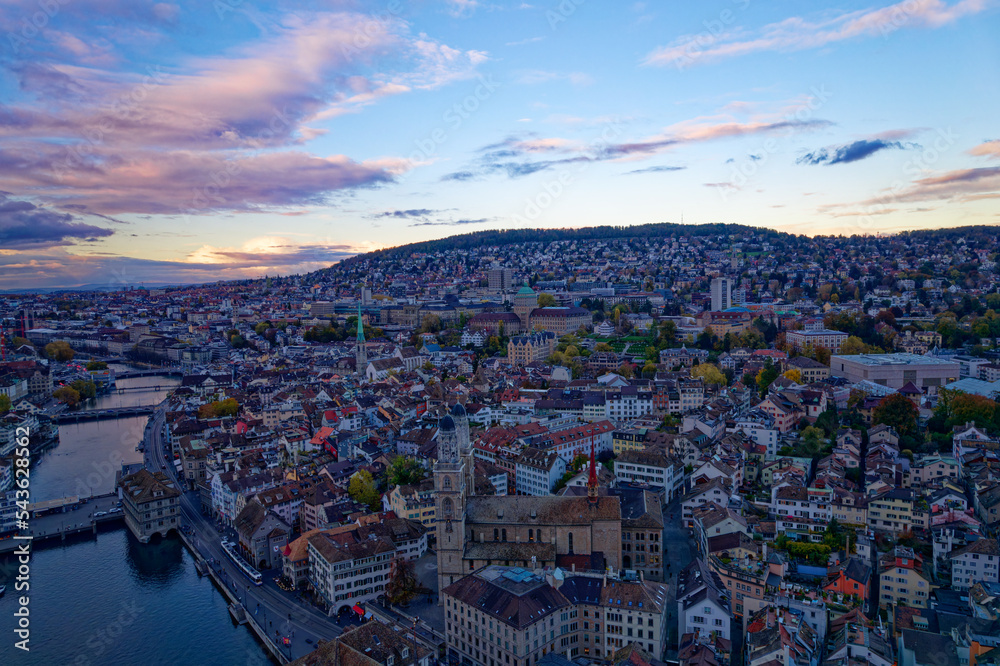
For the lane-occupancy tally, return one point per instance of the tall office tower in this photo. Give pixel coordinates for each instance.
(501, 279)
(722, 288)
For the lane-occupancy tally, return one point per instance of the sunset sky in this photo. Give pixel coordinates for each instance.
(219, 139)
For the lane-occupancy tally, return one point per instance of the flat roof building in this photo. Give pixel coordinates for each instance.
(894, 370)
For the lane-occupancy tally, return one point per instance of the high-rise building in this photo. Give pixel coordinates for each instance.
(722, 289)
(501, 279)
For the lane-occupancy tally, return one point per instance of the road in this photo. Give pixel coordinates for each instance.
(273, 608)
(677, 554)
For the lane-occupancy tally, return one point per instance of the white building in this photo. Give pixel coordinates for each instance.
(536, 472)
(979, 561)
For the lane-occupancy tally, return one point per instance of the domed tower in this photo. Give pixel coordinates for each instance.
(449, 486)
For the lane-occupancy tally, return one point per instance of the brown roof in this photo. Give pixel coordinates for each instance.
(518, 509)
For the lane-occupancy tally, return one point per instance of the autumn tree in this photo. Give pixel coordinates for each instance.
(853, 345)
(59, 351)
(4, 403)
(67, 395)
(709, 373)
(897, 411)
(402, 584)
(794, 375)
(546, 300)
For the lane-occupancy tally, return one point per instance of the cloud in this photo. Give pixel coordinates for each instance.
(522, 42)
(215, 132)
(25, 225)
(189, 181)
(797, 34)
(852, 152)
(699, 132)
(537, 76)
(413, 212)
(451, 223)
(987, 149)
(460, 176)
(656, 169)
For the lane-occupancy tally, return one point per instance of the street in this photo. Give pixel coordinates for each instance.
(272, 608)
(677, 553)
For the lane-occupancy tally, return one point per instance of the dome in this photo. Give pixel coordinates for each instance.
(446, 423)
(458, 410)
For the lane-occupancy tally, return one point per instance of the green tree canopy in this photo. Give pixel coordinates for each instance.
(59, 351)
(362, 490)
(404, 470)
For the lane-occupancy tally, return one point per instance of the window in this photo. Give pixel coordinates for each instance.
(570, 543)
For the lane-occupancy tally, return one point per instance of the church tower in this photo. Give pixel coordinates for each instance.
(449, 486)
(461, 419)
(360, 350)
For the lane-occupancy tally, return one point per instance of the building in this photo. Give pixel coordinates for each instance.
(702, 603)
(525, 300)
(903, 577)
(826, 338)
(263, 535)
(652, 467)
(525, 349)
(809, 369)
(559, 320)
(413, 502)
(500, 279)
(370, 644)
(514, 616)
(895, 370)
(496, 323)
(975, 563)
(152, 504)
(536, 472)
(722, 290)
(475, 531)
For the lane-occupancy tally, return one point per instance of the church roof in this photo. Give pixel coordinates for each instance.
(524, 510)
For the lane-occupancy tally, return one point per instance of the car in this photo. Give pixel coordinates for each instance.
(309, 641)
(100, 513)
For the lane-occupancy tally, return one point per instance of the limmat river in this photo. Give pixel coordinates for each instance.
(110, 599)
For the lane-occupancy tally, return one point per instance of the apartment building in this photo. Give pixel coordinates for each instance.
(512, 616)
(536, 472)
(976, 563)
(904, 578)
(152, 504)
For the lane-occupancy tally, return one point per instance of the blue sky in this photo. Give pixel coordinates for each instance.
(181, 142)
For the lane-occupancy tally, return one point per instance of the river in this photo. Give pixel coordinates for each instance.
(112, 600)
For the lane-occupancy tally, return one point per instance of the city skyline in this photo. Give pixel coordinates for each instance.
(183, 143)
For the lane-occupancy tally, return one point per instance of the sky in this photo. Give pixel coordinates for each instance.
(183, 142)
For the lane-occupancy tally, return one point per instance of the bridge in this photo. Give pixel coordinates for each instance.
(152, 372)
(110, 413)
(60, 518)
(133, 389)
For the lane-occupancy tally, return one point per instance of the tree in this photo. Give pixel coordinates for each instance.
(853, 345)
(85, 388)
(765, 377)
(579, 462)
(362, 489)
(546, 300)
(59, 351)
(404, 471)
(18, 341)
(812, 440)
(897, 411)
(430, 324)
(4, 404)
(709, 373)
(67, 395)
(97, 365)
(219, 408)
(402, 583)
(602, 347)
(794, 375)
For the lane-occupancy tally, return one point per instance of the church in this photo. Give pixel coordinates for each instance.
(582, 533)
